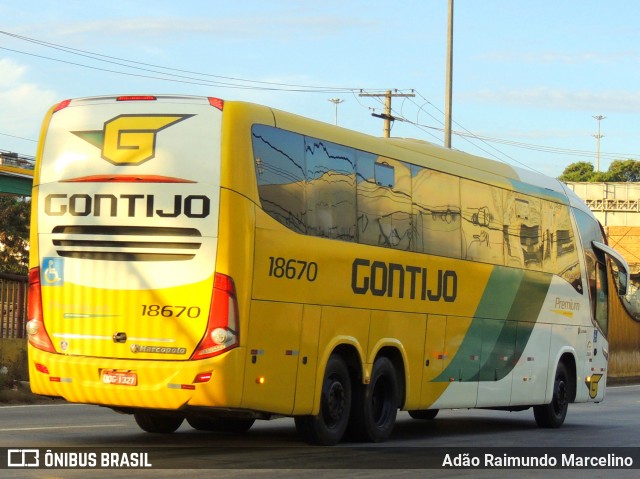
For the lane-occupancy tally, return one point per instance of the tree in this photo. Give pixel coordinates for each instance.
(619, 171)
(14, 235)
(580, 171)
(624, 171)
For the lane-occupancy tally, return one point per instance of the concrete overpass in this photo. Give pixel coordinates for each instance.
(16, 174)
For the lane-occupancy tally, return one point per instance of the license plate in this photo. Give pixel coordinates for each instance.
(120, 378)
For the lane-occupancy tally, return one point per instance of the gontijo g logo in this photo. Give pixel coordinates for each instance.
(129, 139)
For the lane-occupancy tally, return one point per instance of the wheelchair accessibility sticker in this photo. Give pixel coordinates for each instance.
(53, 272)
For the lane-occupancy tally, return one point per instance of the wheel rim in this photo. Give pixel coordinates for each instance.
(560, 400)
(335, 402)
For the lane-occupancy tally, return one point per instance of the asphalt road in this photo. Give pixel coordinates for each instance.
(272, 448)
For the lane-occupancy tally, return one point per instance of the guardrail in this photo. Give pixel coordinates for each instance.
(13, 305)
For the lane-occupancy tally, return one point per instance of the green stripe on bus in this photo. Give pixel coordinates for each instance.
(501, 327)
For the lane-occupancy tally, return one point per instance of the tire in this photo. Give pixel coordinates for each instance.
(328, 427)
(552, 415)
(157, 422)
(236, 426)
(424, 414)
(375, 405)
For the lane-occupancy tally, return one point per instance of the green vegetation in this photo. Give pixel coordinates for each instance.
(14, 235)
(621, 171)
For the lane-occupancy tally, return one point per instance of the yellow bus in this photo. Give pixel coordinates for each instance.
(223, 262)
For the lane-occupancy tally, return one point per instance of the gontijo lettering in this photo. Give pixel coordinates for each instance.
(395, 280)
(134, 205)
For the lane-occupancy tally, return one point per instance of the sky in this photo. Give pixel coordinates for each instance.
(528, 76)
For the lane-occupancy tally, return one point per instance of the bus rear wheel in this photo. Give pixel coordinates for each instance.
(552, 415)
(328, 427)
(236, 426)
(375, 405)
(157, 422)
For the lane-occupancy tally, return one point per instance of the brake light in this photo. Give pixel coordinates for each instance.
(36, 331)
(222, 327)
(136, 98)
(216, 102)
(62, 105)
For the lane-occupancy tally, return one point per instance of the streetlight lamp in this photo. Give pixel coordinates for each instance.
(336, 102)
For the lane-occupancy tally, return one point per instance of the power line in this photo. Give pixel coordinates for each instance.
(517, 144)
(152, 71)
(183, 76)
(472, 135)
(19, 137)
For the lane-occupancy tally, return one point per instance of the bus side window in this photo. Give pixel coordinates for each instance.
(384, 202)
(482, 222)
(436, 212)
(330, 190)
(596, 269)
(602, 301)
(524, 235)
(560, 254)
(598, 289)
(279, 162)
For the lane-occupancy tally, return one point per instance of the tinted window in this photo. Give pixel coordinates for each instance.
(595, 266)
(482, 222)
(560, 254)
(436, 212)
(384, 202)
(279, 162)
(330, 190)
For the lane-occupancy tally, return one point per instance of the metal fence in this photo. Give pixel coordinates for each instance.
(13, 305)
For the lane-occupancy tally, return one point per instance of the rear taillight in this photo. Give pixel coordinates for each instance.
(222, 327)
(36, 331)
(62, 105)
(216, 102)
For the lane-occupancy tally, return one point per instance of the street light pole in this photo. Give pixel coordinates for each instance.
(336, 102)
(599, 118)
(449, 80)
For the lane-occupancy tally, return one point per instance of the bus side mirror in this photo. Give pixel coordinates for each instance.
(621, 264)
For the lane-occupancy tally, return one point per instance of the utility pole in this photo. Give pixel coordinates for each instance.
(449, 80)
(599, 118)
(386, 116)
(336, 102)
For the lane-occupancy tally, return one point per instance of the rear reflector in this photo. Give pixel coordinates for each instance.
(41, 368)
(202, 378)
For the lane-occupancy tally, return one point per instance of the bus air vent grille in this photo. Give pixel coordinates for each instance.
(127, 243)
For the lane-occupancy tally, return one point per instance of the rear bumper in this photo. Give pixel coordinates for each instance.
(160, 384)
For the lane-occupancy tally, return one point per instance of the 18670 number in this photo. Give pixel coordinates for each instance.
(169, 311)
(292, 268)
